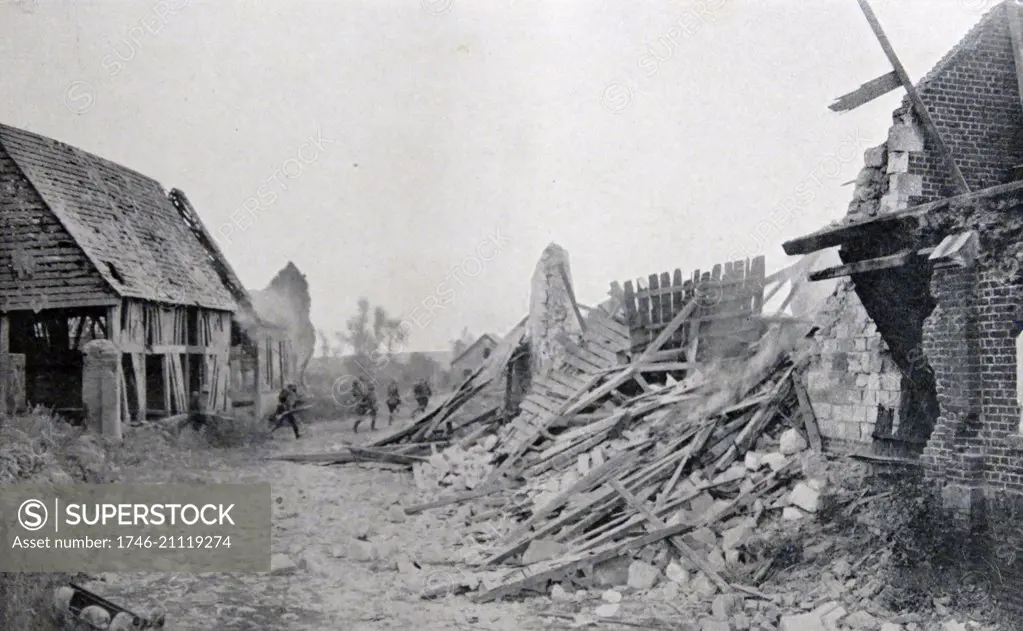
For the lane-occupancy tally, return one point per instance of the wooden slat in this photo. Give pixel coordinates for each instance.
(867, 92)
(862, 267)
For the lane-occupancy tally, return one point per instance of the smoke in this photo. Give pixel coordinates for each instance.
(286, 303)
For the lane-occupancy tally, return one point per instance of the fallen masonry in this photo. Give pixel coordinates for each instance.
(640, 465)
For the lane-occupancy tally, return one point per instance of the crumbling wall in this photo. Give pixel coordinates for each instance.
(286, 302)
(551, 314)
(852, 376)
(977, 445)
(973, 97)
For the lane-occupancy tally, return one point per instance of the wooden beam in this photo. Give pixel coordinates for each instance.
(866, 93)
(691, 555)
(914, 97)
(667, 332)
(1015, 15)
(890, 222)
(571, 294)
(664, 367)
(862, 267)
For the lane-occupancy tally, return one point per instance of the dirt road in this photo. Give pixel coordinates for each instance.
(335, 584)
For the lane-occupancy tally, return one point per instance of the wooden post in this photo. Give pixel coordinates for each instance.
(113, 330)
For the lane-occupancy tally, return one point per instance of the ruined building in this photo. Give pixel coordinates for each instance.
(94, 251)
(919, 346)
(285, 301)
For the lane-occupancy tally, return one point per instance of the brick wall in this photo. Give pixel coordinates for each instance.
(973, 98)
(852, 373)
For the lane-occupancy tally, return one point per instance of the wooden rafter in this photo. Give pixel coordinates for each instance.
(914, 97)
(571, 294)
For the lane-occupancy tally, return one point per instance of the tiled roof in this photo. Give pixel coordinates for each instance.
(123, 221)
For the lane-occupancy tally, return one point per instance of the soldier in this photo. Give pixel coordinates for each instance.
(287, 401)
(422, 393)
(393, 400)
(367, 403)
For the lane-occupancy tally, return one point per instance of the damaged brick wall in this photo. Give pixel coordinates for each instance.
(977, 446)
(853, 382)
(973, 97)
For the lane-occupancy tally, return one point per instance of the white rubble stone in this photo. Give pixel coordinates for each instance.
(791, 442)
(754, 460)
(676, 573)
(791, 513)
(775, 460)
(642, 575)
(607, 610)
(800, 622)
(611, 596)
(805, 498)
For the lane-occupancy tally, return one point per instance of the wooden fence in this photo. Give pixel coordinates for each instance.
(726, 296)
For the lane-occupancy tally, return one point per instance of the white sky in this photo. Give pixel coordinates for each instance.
(469, 119)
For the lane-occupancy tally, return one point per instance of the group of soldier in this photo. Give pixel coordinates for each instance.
(288, 402)
(365, 399)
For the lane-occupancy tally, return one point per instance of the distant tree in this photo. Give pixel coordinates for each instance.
(374, 336)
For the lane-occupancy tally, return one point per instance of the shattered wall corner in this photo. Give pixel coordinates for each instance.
(551, 312)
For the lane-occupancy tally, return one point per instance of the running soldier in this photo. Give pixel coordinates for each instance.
(422, 393)
(393, 400)
(287, 401)
(367, 404)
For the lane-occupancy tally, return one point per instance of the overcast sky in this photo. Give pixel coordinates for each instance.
(386, 146)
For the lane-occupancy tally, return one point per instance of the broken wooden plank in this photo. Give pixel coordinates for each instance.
(572, 563)
(863, 267)
(362, 453)
(680, 545)
(668, 331)
(453, 499)
(663, 367)
(918, 104)
(813, 433)
(571, 295)
(866, 93)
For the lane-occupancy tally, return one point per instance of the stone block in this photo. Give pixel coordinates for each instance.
(805, 497)
(906, 184)
(892, 201)
(775, 460)
(791, 442)
(791, 513)
(898, 162)
(905, 137)
(800, 622)
(101, 389)
(754, 460)
(874, 157)
(642, 575)
(870, 411)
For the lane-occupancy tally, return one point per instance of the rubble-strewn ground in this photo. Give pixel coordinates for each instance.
(347, 557)
(335, 583)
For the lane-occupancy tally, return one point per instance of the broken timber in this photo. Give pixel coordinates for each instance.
(914, 97)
